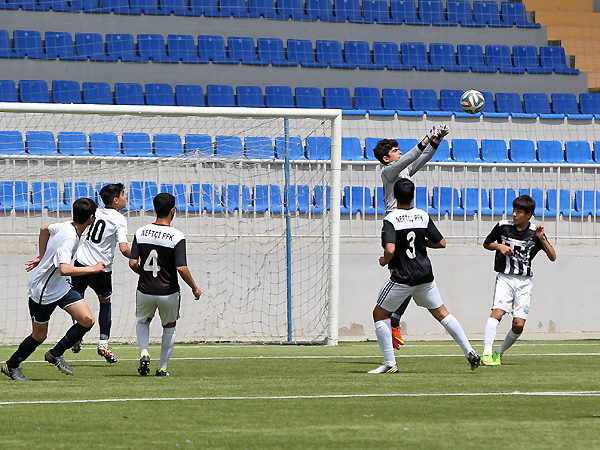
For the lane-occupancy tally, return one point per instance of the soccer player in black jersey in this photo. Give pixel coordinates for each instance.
(516, 242)
(406, 234)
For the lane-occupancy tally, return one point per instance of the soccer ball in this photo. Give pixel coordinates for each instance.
(472, 101)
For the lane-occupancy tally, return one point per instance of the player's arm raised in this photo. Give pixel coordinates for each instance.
(539, 231)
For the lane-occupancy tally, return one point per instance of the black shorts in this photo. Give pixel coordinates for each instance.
(41, 313)
(101, 283)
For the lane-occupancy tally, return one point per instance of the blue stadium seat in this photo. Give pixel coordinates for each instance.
(32, 5)
(470, 201)
(590, 104)
(352, 149)
(397, 100)
(450, 101)
(406, 145)
(179, 191)
(122, 46)
(212, 48)
(330, 53)
(295, 146)
(97, 93)
(567, 104)
(182, 47)
(6, 49)
(443, 55)
(578, 152)
(511, 103)
(565, 208)
(167, 145)
(199, 143)
(229, 146)
(236, 8)
(41, 143)
(308, 97)
(426, 100)
(28, 42)
(405, 11)
(514, 13)
(442, 154)
(206, 197)
(370, 144)
(433, 11)
(259, 147)
(105, 144)
(415, 54)
(378, 200)
(129, 94)
(526, 57)
(339, 98)
(149, 7)
(48, 195)
(522, 151)
(494, 150)
(292, 9)
(268, 198)
(93, 6)
(220, 95)
(550, 152)
(377, 11)
(120, 7)
(91, 45)
(388, 54)
(501, 200)
(135, 196)
(189, 95)
(348, 9)
(250, 96)
(460, 11)
(264, 8)
(15, 195)
(270, 50)
(302, 52)
(555, 58)
(11, 143)
(73, 143)
(34, 91)
(159, 94)
(487, 12)
(136, 144)
(152, 46)
(471, 55)
(498, 57)
(539, 104)
(7, 4)
(279, 97)
(446, 201)
(299, 198)
(60, 45)
(208, 8)
(66, 92)
(322, 199)
(322, 10)
(370, 99)
(597, 151)
(81, 189)
(358, 53)
(243, 49)
(465, 150)
(318, 148)
(231, 198)
(489, 109)
(357, 199)
(587, 203)
(538, 197)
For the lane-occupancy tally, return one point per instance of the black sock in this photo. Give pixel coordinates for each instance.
(26, 348)
(104, 320)
(396, 315)
(74, 334)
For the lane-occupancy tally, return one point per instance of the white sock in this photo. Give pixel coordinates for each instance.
(455, 330)
(384, 337)
(143, 337)
(490, 334)
(103, 342)
(166, 349)
(509, 340)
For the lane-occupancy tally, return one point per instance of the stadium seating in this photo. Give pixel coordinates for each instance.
(73, 143)
(66, 92)
(445, 200)
(322, 10)
(212, 48)
(397, 100)
(250, 96)
(370, 99)
(340, 98)
(487, 12)
(199, 143)
(271, 50)
(292, 9)
(11, 143)
(460, 11)
(471, 55)
(8, 91)
(358, 53)
(405, 11)
(526, 57)
(442, 154)
(348, 10)
(136, 144)
(443, 55)
(494, 150)
(352, 149)
(29, 43)
(450, 101)
(105, 144)
(6, 49)
(279, 97)
(264, 8)
(46, 195)
(426, 100)
(182, 47)
(220, 95)
(129, 94)
(33, 91)
(540, 105)
(242, 49)
(296, 148)
(160, 94)
(268, 198)
(470, 201)
(60, 45)
(301, 51)
(433, 11)
(590, 104)
(168, 145)
(330, 52)
(229, 146)
(40, 143)
(567, 104)
(122, 47)
(377, 11)
(499, 57)
(587, 203)
(415, 54)
(318, 148)
(236, 8)
(308, 97)
(565, 207)
(578, 152)
(91, 45)
(259, 147)
(152, 46)
(522, 151)
(554, 58)
(501, 200)
(550, 152)
(357, 199)
(97, 93)
(189, 95)
(514, 13)
(231, 198)
(510, 103)
(388, 54)
(465, 150)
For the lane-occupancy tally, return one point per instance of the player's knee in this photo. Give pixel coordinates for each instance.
(39, 336)
(517, 328)
(87, 321)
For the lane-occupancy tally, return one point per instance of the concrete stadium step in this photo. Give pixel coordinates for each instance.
(582, 6)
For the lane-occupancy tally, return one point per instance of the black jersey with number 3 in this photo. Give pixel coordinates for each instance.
(160, 250)
(407, 229)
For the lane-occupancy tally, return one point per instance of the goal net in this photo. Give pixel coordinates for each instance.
(253, 192)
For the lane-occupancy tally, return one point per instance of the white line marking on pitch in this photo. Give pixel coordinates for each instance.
(308, 397)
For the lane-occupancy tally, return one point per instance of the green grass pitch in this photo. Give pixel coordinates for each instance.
(546, 395)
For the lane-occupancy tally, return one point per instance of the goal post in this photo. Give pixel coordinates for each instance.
(260, 228)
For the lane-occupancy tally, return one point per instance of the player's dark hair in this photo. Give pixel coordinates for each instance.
(524, 203)
(163, 204)
(83, 208)
(404, 191)
(111, 191)
(383, 148)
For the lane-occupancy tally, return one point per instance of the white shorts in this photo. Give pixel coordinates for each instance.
(513, 293)
(393, 294)
(168, 307)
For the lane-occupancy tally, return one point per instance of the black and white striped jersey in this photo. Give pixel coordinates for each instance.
(525, 245)
(160, 249)
(407, 229)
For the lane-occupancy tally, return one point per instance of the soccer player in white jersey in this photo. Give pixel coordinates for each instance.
(396, 166)
(516, 242)
(50, 286)
(108, 230)
(406, 234)
(158, 254)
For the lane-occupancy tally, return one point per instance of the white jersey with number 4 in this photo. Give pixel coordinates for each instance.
(108, 230)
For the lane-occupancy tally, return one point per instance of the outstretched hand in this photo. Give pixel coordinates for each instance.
(32, 264)
(539, 232)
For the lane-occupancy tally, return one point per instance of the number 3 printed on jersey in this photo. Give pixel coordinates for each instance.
(151, 264)
(410, 240)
